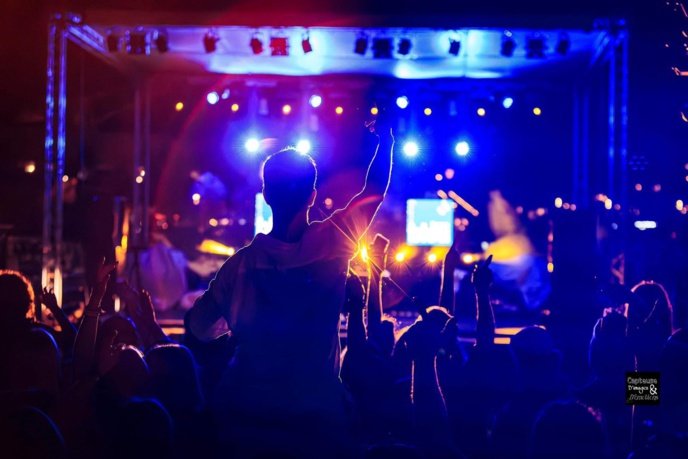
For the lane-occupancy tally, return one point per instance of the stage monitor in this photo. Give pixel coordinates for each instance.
(429, 222)
(263, 218)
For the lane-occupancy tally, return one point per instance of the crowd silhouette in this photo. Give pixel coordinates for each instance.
(260, 372)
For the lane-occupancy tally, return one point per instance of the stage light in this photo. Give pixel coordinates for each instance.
(535, 46)
(400, 256)
(404, 46)
(563, 44)
(30, 167)
(286, 109)
(432, 258)
(303, 146)
(138, 42)
(279, 46)
(608, 204)
(213, 98)
(306, 44)
(235, 107)
(339, 110)
(537, 111)
(467, 258)
(427, 111)
(225, 94)
(642, 225)
(139, 179)
(402, 102)
(382, 48)
(315, 101)
(462, 149)
(638, 187)
(410, 148)
(210, 42)
(162, 42)
(196, 198)
(252, 145)
(179, 106)
(454, 47)
(507, 102)
(558, 203)
(439, 177)
(256, 45)
(481, 111)
(114, 42)
(679, 204)
(508, 44)
(361, 45)
(364, 254)
(374, 111)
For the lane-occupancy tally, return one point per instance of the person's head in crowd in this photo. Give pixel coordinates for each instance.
(534, 353)
(673, 368)
(289, 179)
(29, 433)
(114, 333)
(568, 430)
(653, 308)
(36, 366)
(143, 430)
(610, 352)
(174, 378)
(17, 299)
(128, 377)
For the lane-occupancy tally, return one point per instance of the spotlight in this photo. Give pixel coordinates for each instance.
(432, 258)
(315, 101)
(563, 44)
(306, 44)
(462, 148)
(225, 94)
(382, 48)
(279, 46)
(400, 256)
(481, 111)
(535, 46)
(286, 109)
(428, 111)
(162, 42)
(252, 145)
(212, 98)
(537, 111)
(339, 110)
(402, 102)
(303, 147)
(361, 45)
(508, 44)
(410, 148)
(235, 107)
(138, 42)
(404, 46)
(454, 47)
(256, 45)
(179, 106)
(507, 102)
(114, 42)
(210, 42)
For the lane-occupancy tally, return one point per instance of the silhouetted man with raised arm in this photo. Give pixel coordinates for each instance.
(281, 297)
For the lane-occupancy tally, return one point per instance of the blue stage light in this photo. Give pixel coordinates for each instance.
(213, 98)
(402, 102)
(252, 145)
(315, 101)
(410, 148)
(462, 148)
(303, 147)
(507, 102)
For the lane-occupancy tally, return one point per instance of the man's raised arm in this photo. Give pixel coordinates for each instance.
(361, 209)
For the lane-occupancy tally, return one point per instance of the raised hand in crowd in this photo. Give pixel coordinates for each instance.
(49, 299)
(85, 342)
(482, 279)
(451, 262)
(376, 270)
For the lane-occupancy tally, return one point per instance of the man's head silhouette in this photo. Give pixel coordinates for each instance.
(289, 182)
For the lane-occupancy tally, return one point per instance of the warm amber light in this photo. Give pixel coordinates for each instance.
(481, 112)
(339, 110)
(427, 111)
(537, 111)
(235, 107)
(373, 110)
(432, 258)
(179, 107)
(286, 109)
